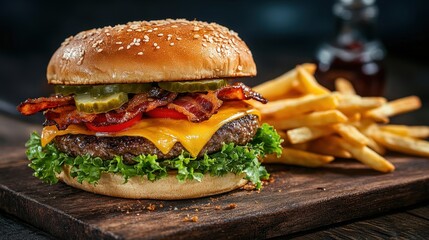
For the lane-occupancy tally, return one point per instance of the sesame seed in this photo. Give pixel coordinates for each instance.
(140, 53)
(168, 38)
(108, 34)
(150, 30)
(146, 37)
(158, 47)
(196, 29)
(179, 38)
(174, 26)
(138, 30)
(160, 34)
(196, 36)
(100, 50)
(204, 45)
(155, 29)
(240, 67)
(119, 43)
(129, 46)
(129, 30)
(218, 49)
(172, 44)
(120, 48)
(155, 44)
(137, 43)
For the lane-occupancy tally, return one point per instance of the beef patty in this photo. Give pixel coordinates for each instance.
(239, 131)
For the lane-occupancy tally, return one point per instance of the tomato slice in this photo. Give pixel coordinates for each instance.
(114, 127)
(165, 113)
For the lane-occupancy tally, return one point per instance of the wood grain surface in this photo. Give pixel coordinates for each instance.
(297, 200)
(401, 224)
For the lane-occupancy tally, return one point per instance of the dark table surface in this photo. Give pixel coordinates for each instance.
(405, 78)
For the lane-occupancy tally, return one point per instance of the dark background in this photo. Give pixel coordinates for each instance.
(281, 34)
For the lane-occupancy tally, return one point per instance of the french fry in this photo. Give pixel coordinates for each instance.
(402, 144)
(368, 157)
(376, 146)
(354, 117)
(333, 147)
(354, 103)
(309, 83)
(402, 105)
(281, 86)
(344, 86)
(351, 134)
(299, 158)
(297, 106)
(366, 127)
(311, 119)
(283, 136)
(305, 134)
(318, 124)
(407, 131)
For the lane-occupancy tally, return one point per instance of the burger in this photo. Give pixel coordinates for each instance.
(151, 109)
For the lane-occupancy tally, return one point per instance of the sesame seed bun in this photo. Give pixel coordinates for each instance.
(154, 51)
(168, 188)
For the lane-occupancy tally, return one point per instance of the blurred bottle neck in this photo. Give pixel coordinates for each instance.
(355, 39)
(355, 23)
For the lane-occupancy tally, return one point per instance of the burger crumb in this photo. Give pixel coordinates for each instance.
(231, 206)
(279, 190)
(190, 219)
(161, 205)
(249, 187)
(196, 210)
(217, 207)
(151, 207)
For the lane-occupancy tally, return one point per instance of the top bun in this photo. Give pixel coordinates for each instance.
(154, 51)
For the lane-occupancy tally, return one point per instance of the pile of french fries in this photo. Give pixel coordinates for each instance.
(319, 125)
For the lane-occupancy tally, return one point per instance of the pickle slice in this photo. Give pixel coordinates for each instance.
(193, 86)
(116, 88)
(96, 90)
(86, 102)
(66, 90)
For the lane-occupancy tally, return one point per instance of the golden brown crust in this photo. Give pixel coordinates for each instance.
(138, 52)
(168, 188)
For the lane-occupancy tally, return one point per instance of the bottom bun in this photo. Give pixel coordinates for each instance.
(167, 188)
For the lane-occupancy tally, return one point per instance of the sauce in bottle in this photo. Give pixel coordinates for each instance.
(355, 53)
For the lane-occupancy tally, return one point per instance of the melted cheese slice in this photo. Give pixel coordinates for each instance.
(164, 132)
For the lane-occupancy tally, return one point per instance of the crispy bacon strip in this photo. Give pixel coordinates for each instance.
(32, 106)
(140, 103)
(66, 115)
(197, 106)
(239, 91)
(61, 111)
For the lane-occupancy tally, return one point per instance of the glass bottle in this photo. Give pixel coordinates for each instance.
(355, 53)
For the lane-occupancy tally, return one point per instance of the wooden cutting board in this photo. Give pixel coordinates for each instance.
(298, 199)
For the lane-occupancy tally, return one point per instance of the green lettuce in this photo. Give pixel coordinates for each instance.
(48, 161)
